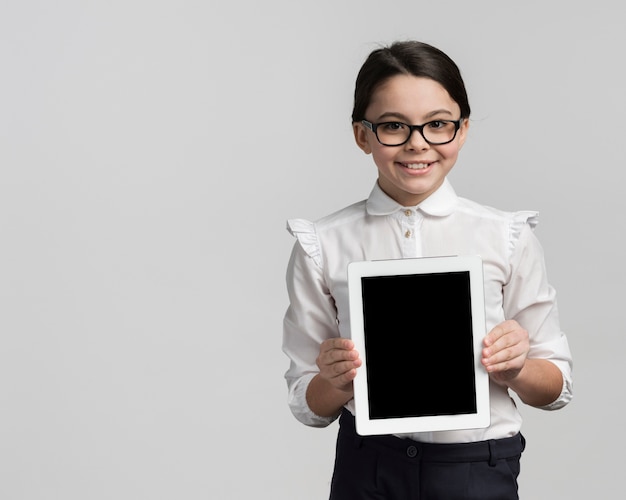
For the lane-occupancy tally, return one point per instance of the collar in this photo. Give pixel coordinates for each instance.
(440, 203)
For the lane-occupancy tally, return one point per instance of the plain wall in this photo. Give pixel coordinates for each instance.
(150, 153)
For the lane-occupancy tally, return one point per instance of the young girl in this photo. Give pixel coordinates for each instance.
(411, 114)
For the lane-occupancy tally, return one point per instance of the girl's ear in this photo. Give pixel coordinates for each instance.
(463, 132)
(361, 138)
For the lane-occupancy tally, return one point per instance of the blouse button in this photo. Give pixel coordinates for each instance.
(408, 233)
(407, 213)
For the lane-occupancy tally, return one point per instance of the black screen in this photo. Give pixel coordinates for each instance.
(419, 346)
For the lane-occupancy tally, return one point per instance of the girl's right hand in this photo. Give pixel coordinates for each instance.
(338, 362)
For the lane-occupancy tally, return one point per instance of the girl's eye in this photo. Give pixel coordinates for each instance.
(394, 126)
(437, 124)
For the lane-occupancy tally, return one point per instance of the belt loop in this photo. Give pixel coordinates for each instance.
(493, 453)
(358, 441)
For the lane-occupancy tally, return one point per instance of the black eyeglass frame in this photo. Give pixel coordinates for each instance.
(420, 128)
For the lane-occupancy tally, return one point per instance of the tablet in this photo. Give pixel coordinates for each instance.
(418, 325)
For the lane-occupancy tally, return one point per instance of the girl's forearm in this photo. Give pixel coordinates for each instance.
(324, 399)
(539, 383)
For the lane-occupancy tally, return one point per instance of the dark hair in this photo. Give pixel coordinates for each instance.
(408, 58)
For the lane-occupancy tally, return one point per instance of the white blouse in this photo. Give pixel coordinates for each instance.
(516, 287)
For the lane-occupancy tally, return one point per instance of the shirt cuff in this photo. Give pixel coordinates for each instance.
(564, 398)
(299, 406)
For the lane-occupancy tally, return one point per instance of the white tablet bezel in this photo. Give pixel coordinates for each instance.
(429, 265)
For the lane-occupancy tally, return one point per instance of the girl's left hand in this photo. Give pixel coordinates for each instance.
(505, 352)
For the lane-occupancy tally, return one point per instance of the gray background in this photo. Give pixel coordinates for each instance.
(150, 153)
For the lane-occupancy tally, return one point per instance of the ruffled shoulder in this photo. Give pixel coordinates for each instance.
(518, 221)
(306, 234)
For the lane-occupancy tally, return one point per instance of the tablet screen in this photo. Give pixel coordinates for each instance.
(418, 325)
(428, 319)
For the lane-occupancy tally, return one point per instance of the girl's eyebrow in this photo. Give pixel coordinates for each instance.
(431, 114)
(439, 112)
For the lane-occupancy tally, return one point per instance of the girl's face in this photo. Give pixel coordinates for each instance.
(413, 171)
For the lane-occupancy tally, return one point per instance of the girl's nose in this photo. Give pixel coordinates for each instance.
(417, 142)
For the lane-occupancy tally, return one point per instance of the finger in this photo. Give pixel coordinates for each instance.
(340, 375)
(343, 380)
(339, 355)
(508, 365)
(338, 349)
(505, 334)
(336, 343)
(501, 356)
(504, 343)
(500, 330)
(338, 370)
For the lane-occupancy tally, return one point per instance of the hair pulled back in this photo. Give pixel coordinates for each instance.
(408, 58)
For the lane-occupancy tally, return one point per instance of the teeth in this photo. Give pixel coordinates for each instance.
(416, 166)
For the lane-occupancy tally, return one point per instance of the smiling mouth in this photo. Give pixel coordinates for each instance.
(416, 166)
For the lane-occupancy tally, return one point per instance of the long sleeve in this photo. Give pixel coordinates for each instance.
(529, 299)
(309, 320)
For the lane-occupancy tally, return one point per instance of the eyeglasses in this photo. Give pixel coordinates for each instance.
(436, 133)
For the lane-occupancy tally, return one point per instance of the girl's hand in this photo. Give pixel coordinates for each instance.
(338, 362)
(506, 350)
